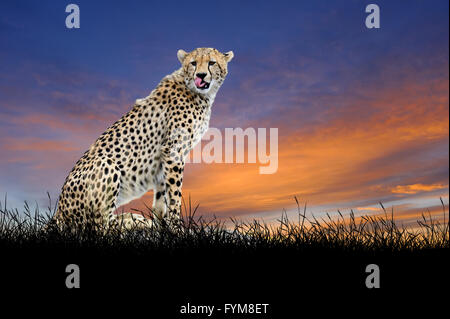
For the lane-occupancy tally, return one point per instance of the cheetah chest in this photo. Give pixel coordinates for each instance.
(201, 127)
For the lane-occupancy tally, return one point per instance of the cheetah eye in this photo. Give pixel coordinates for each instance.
(212, 62)
(194, 63)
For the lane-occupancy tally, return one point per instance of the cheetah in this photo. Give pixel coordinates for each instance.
(146, 149)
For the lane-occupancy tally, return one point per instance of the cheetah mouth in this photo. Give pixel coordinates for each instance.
(200, 84)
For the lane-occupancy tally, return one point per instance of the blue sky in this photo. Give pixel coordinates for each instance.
(310, 68)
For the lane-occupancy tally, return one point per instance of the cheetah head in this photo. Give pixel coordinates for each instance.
(204, 69)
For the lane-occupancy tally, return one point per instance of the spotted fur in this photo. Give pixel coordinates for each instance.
(146, 148)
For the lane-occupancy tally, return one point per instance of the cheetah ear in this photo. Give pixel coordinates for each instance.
(181, 54)
(229, 56)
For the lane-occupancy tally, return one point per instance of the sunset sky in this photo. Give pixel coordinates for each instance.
(362, 114)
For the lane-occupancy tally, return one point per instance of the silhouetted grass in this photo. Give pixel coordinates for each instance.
(347, 234)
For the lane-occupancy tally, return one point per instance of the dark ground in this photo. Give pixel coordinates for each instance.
(324, 281)
(296, 270)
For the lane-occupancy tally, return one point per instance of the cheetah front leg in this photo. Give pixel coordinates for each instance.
(159, 204)
(167, 193)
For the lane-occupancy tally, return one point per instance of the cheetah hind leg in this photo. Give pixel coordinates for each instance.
(129, 221)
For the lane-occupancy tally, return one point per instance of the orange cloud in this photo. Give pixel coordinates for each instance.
(36, 144)
(75, 123)
(373, 209)
(416, 188)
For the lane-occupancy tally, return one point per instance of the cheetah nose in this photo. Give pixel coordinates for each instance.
(201, 75)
